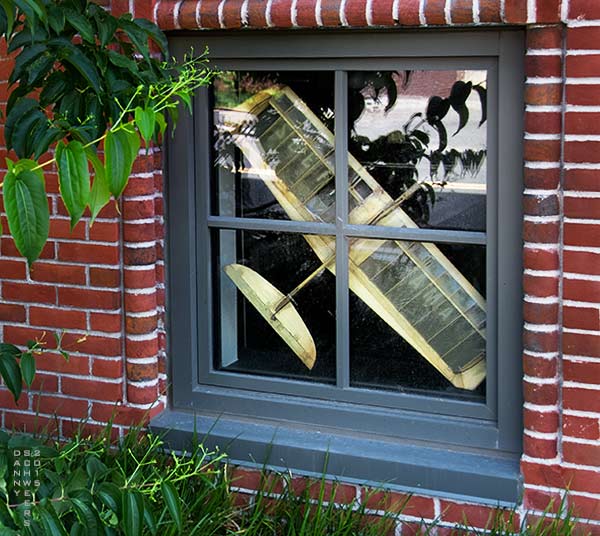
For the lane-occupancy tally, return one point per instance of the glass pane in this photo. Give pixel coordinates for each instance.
(417, 317)
(273, 147)
(419, 144)
(274, 302)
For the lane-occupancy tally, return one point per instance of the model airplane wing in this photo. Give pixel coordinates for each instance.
(412, 286)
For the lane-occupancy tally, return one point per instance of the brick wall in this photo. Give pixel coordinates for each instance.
(107, 282)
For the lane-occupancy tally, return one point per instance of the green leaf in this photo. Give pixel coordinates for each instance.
(154, 33)
(145, 120)
(31, 7)
(100, 194)
(120, 60)
(27, 56)
(15, 114)
(27, 212)
(173, 503)
(69, 53)
(52, 525)
(27, 368)
(9, 369)
(74, 178)
(9, 9)
(95, 468)
(24, 132)
(137, 36)
(86, 516)
(110, 495)
(81, 24)
(133, 513)
(161, 122)
(149, 519)
(56, 18)
(120, 151)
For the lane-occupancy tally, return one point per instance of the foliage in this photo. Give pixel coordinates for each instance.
(90, 486)
(87, 81)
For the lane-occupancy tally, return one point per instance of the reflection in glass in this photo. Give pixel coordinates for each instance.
(264, 146)
(276, 304)
(424, 315)
(421, 139)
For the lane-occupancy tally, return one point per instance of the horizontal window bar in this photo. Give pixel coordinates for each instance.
(258, 224)
(416, 234)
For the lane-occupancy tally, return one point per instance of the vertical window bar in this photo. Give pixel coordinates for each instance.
(341, 220)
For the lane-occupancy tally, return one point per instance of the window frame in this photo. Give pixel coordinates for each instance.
(494, 428)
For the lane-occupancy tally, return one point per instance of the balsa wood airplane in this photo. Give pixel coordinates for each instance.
(412, 286)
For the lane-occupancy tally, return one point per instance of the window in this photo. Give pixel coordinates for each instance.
(344, 254)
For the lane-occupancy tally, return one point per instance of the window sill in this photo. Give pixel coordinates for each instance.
(418, 468)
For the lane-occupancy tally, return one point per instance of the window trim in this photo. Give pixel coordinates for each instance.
(498, 431)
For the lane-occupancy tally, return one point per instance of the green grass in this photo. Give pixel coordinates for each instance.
(135, 487)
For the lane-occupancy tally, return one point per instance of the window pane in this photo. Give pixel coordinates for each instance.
(258, 329)
(273, 147)
(419, 144)
(417, 316)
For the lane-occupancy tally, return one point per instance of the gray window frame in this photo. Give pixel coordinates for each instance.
(493, 429)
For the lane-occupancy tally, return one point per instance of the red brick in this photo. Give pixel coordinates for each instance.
(409, 13)
(89, 299)
(540, 205)
(105, 277)
(145, 185)
(434, 12)
(232, 16)
(140, 325)
(581, 453)
(541, 37)
(583, 207)
(581, 318)
(547, 11)
(256, 13)
(141, 371)
(165, 13)
(10, 269)
(330, 12)
(143, 9)
(104, 231)
(61, 228)
(147, 348)
(461, 11)
(92, 389)
(585, 9)
(474, 515)
(119, 7)
(581, 427)
(539, 367)
(139, 232)
(581, 234)
(582, 179)
(541, 232)
(540, 421)
(107, 368)
(540, 286)
(8, 401)
(411, 505)
(124, 415)
(65, 407)
(138, 303)
(583, 95)
(539, 448)
(56, 318)
(515, 11)
(585, 508)
(383, 13)
(581, 344)
(582, 262)
(88, 253)
(71, 427)
(58, 273)
(489, 12)
(8, 249)
(543, 475)
(28, 292)
(142, 395)
(544, 394)
(542, 179)
(332, 491)
(140, 278)
(542, 66)
(356, 12)
(540, 341)
(540, 313)
(582, 123)
(26, 422)
(139, 256)
(581, 372)
(581, 289)
(540, 259)
(10, 312)
(187, 15)
(586, 66)
(535, 499)
(542, 122)
(305, 16)
(581, 399)
(542, 150)
(108, 322)
(97, 345)
(55, 362)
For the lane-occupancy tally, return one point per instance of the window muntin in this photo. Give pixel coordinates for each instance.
(274, 158)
